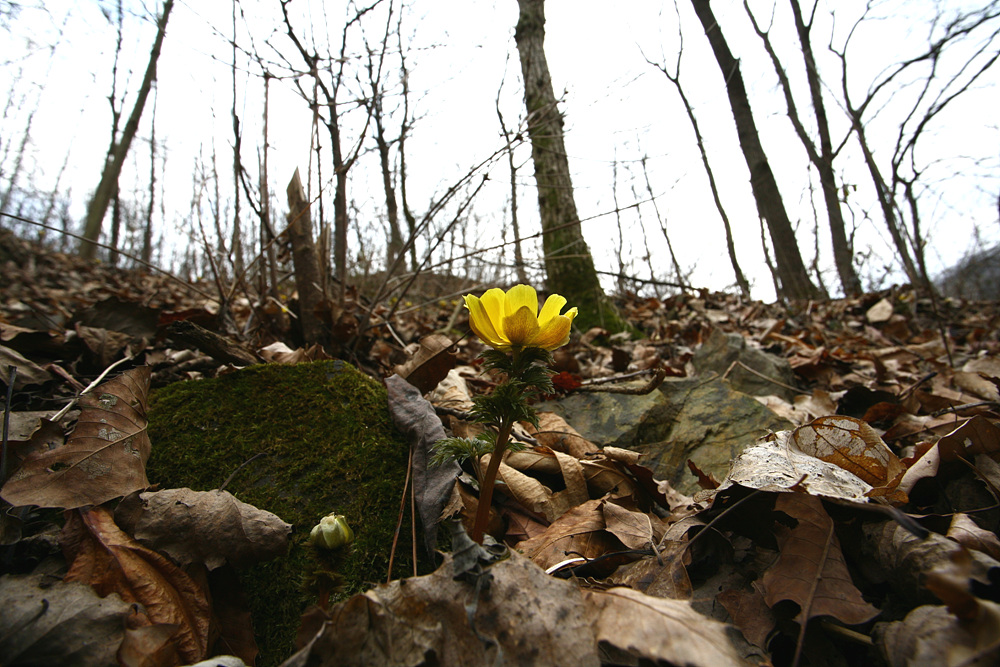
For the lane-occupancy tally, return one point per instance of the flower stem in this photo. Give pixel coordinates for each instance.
(486, 483)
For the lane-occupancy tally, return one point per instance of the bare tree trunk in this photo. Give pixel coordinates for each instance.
(116, 224)
(18, 162)
(147, 232)
(404, 131)
(522, 276)
(307, 275)
(678, 272)
(795, 283)
(569, 265)
(270, 277)
(843, 253)
(98, 205)
(394, 246)
(236, 246)
(675, 79)
(822, 159)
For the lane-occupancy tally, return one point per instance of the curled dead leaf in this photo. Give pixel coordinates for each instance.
(210, 527)
(430, 363)
(109, 561)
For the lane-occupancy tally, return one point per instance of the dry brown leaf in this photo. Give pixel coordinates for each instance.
(975, 436)
(663, 576)
(636, 530)
(907, 559)
(750, 614)
(659, 631)
(430, 364)
(977, 385)
(775, 463)
(210, 527)
(810, 569)
(104, 458)
(44, 621)
(965, 633)
(966, 532)
(28, 372)
(930, 636)
(149, 646)
(110, 561)
(554, 433)
(622, 455)
(106, 345)
(854, 446)
(574, 479)
(534, 619)
(32, 433)
(580, 530)
(534, 461)
(280, 353)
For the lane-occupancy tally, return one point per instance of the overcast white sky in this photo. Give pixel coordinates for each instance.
(617, 107)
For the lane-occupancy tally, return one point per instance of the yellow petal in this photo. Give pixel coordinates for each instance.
(551, 308)
(521, 296)
(554, 334)
(480, 322)
(521, 327)
(493, 302)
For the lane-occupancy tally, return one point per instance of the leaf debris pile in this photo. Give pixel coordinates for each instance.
(864, 534)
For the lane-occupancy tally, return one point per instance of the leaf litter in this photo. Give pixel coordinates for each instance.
(865, 534)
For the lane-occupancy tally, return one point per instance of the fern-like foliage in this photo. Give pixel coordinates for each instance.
(460, 449)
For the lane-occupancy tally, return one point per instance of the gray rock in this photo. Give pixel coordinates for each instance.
(722, 350)
(702, 419)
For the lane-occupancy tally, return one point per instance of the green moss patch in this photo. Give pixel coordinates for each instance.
(328, 444)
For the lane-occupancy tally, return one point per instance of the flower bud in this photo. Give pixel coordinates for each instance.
(332, 532)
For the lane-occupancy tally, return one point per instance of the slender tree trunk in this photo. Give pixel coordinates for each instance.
(395, 245)
(236, 246)
(340, 219)
(98, 205)
(795, 283)
(147, 232)
(884, 200)
(569, 266)
(522, 276)
(270, 277)
(843, 253)
(18, 163)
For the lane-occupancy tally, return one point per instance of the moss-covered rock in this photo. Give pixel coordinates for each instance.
(328, 444)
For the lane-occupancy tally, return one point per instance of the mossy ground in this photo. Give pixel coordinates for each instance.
(330, 446)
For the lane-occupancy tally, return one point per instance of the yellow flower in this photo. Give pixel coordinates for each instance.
(511, 320)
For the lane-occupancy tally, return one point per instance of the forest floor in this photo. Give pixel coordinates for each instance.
(867, 534)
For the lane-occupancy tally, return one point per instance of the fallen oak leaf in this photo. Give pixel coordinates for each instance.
(104, 458)
(810, 569)
(107, 559)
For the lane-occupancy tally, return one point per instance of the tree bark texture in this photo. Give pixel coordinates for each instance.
(569, 266)
(795, 283)
(108, 185)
